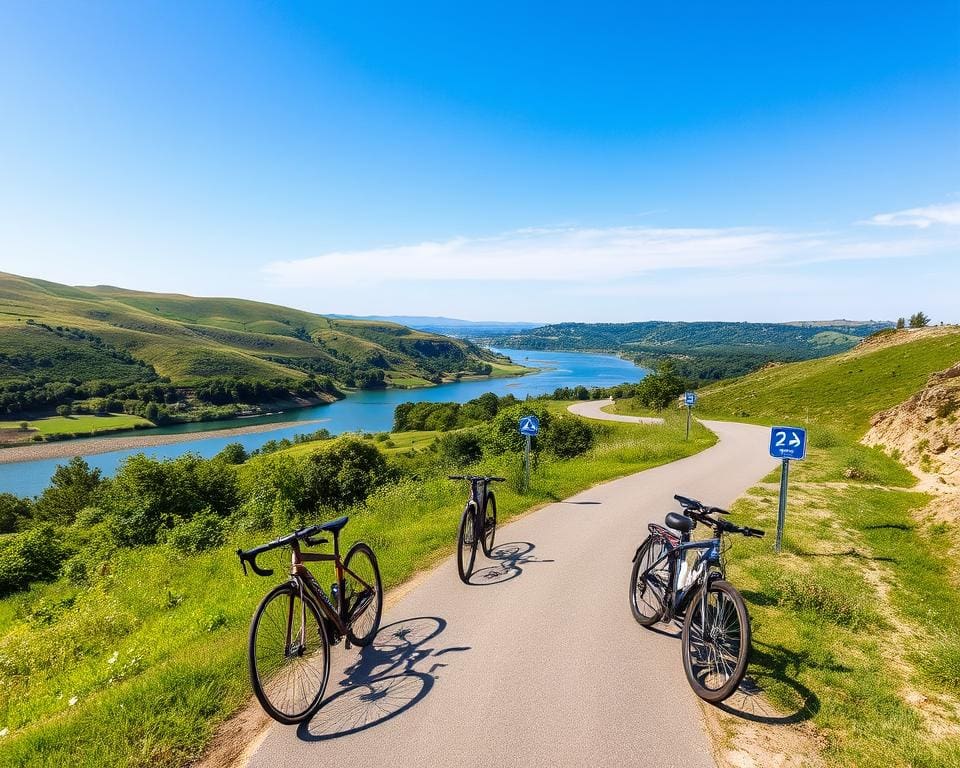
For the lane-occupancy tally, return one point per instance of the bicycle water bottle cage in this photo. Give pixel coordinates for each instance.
(680, 523)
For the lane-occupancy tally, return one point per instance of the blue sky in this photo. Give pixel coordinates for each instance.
(546, 162)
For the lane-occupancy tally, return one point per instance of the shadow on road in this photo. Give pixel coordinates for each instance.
(391, 675)
(510, 559)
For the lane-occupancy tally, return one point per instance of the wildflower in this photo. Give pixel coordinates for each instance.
(113, 659)
(73, 700)
(4, 732)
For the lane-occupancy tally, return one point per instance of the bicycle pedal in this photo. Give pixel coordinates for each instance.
(347, 645)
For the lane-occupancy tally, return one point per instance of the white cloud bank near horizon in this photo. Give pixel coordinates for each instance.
(591, 255)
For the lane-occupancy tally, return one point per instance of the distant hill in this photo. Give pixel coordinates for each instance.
(52, 334)
(701, 350)
(450, 326)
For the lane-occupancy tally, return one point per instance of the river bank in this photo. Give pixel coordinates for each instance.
(65, 449)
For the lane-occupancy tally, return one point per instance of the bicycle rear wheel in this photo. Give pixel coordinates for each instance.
(288, 655)
(716, 646)
(363, 592)
(489, 523)
(650, 581)
(467, 542)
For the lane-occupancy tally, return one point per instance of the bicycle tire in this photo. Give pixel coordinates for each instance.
(695, 648)
(467, 542)
(268, 683)
(489, 524)
(647, 613)
(354, 598)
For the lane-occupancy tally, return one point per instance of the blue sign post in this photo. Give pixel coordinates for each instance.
(786, 443)
(529, 426)
(689, 400)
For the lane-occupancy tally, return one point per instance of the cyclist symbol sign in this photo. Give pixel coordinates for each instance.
(529, 425)
(788, 442)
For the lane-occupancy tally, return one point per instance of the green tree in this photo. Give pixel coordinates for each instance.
(901, 323)
(14, 510)
(64, 410)
(74, 485)
(919, 320)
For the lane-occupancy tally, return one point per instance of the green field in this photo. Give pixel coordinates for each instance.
(856, 624)
(78, 425)
(151, 654)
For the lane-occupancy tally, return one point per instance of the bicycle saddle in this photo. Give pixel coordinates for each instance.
(680, 523)
(334, 526)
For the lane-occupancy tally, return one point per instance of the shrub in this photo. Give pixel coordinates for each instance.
(34, 555)
(13, 511)
(504, 436)
(343, 474)
(460, 448)
(232, 453)
(202, 531)
(73, 486)
(568, 437)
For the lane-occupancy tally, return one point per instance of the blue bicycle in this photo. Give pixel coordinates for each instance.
(674, 577)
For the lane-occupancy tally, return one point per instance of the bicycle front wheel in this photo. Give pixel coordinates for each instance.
(489, 524)
(716, 643)
(289, 655)
(363, 592)
(467, 542)
(650, 581)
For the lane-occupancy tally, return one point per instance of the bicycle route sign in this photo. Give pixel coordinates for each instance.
(529, 425)
(788, 442)
(690, 398)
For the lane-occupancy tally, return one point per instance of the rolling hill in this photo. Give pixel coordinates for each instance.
(700, 350)
(52, 333)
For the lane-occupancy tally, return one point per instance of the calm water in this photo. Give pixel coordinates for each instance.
(369, 411)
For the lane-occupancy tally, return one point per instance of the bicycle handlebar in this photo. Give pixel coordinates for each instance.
(250, 555)
(484, 478)
(698, 511)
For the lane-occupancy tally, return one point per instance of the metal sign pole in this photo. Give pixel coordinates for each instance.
(782, 512)
(526, 463)
(688, 424)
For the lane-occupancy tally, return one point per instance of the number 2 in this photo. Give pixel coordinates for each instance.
(781, 439)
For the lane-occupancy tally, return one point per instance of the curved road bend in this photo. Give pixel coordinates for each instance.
(593, 409)
(541, 664)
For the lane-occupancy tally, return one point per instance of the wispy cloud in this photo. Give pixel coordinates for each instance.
(927, 216)
(583, 254)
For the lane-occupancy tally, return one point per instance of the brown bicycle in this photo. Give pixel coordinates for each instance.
(295, 625)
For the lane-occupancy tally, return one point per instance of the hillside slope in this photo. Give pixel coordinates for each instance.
(57, 333)
(844, 390)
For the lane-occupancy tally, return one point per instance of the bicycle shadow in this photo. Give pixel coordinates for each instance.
(510, 558)
(781, 665)
(385, 681)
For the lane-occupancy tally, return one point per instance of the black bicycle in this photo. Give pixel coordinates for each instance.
(666, 586)
(296, 623)
(478, 522)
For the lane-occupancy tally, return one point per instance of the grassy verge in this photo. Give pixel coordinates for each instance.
(78, 425)
(140, 667)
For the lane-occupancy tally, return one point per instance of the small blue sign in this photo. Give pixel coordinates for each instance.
(689, 398)
(788, 442)
(529, 425)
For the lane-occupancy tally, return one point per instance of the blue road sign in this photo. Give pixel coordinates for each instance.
(788, 442)
(529, 425)
(689, 398)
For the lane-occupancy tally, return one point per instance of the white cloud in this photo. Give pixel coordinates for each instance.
(582, 255)
(947, 213)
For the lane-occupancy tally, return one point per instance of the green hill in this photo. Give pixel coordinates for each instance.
(55, 336)
(843, 390)
(707, 351)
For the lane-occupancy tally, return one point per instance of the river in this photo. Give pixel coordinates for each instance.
(367, 411)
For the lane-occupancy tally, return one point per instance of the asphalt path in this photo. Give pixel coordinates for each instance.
(539, 662)
(593, 409)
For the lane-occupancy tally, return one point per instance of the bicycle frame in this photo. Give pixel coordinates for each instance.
(301, 576)
(479, 492)
(676, 600)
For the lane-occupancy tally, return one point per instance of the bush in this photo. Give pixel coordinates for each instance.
(201, 532)
(460, 448)
(232, 453)
(342, 475)
(13, 512)
(568, 437)
(34, 555)
(504, 436)
(73, 486)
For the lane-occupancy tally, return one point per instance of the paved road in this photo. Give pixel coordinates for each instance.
(592, 409)
(541, 663)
